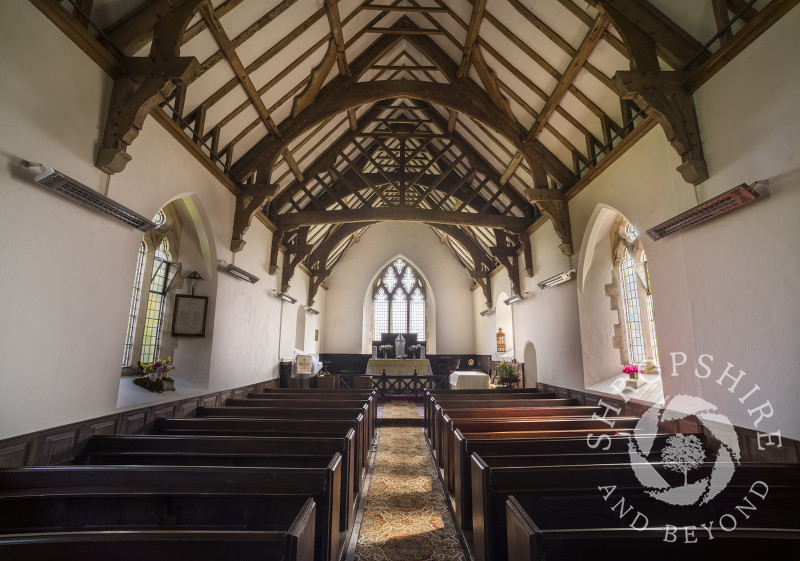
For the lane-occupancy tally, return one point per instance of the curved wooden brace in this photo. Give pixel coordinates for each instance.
(252, 197)
(145, 84)
(660, 94)
(480, 259)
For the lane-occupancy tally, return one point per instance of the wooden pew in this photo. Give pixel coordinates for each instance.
(299, 414)
(226, 450)
(493, 410)
(545, 426)
(305, 404)
(77, 498)
(369, 396)
(435, 396)
(265, 427)
(529, 541)
(550, 447)
(491, 486)
(453, 402)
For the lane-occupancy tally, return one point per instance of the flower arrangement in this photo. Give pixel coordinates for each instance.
(385, 350)
(632, 371)
(159, 367)
(414, 350)
(506, 375)
(155, 377)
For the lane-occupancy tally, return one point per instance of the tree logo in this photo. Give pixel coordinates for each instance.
(685, 453)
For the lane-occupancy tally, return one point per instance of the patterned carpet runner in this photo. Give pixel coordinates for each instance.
(406, 518)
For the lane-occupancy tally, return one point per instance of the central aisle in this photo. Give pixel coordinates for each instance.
(406, 517)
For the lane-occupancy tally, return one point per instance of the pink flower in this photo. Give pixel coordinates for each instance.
(631, 369)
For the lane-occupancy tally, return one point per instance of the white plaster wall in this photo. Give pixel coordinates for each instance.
(449, 281)
(66, 284)
(726, 288)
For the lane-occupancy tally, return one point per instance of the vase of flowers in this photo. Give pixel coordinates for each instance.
(413, 351)
(154, 376)
(506, 375)
(632, 371)
(384, 350)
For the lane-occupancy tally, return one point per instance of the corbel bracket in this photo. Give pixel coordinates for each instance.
(146, 82)
(294, 254)
(507, 255)
(251, 198)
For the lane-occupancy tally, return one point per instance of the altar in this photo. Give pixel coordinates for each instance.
(399, 367)
(467, 380)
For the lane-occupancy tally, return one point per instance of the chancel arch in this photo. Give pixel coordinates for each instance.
(399, 299)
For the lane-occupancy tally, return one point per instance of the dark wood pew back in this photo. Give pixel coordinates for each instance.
(228, 451)
(491, 487)
(294, 544)
(68, 498)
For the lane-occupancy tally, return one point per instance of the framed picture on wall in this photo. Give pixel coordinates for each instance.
(189, 316)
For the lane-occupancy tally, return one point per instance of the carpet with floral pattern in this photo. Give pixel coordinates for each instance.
(406, 518)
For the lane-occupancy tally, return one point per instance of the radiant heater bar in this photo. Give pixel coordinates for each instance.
(81, 194)
(726, 202)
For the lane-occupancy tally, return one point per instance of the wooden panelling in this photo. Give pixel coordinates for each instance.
(188, 408)
(14, 453)
(134, 422)
(210, 400)
(58, 447)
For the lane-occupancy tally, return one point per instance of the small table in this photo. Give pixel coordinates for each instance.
(399, 367)
(469, 379)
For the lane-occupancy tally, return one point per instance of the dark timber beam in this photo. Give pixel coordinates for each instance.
(660, 94)
(145, 83)
(403, 214)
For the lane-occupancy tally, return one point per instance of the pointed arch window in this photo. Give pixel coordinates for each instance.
(155, 303)
(632, 313)
(137, 288)
(398, 301)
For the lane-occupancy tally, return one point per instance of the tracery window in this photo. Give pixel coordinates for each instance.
(633, 317)
(398, 301)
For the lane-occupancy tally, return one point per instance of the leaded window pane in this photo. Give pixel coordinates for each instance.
(155, 304)
(417, 316)
(399, 312)
(390, 280)
(409, 279)
(399, 264)
(632, 314)
(380, 322)
(137, 288)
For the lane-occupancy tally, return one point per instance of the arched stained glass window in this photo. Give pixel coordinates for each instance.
(632, 312)
(398, 302)
(155, 303)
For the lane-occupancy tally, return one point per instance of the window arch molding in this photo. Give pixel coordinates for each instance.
(601, 298)
(430, 304)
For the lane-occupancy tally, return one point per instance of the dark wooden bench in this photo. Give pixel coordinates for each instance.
(266, 427)
(295, 544)
(531, 541)
(368, 396)
(548, 447)
(491, 486)
(446, 403)
(285, 417)
(507, 410)
(546, 427)
(431, 396)
(79, 498)
(228, 450)
(313, 404)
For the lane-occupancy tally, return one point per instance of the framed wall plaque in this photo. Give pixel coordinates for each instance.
(189, 316)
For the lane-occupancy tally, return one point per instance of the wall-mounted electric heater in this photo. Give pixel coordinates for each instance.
(81, 194)
(726, 202)
(237, 272)
(557, 279)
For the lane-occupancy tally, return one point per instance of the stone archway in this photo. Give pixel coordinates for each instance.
(531, 374)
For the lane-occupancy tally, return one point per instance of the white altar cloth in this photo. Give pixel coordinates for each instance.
(468, 379)
(399, 367)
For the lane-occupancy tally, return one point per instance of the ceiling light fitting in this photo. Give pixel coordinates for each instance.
(78, 192)
(312, 311)
(285, 297)
(557, 279)
(237, 272)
